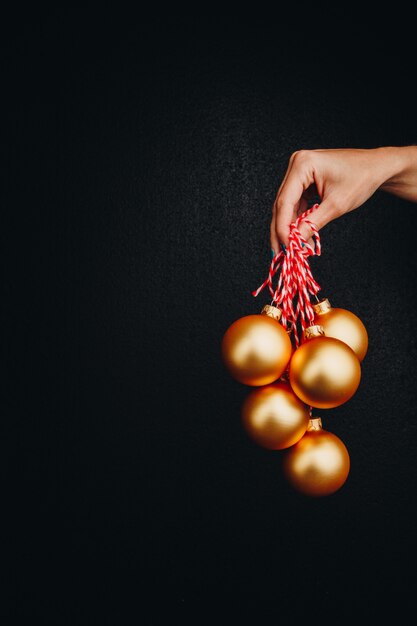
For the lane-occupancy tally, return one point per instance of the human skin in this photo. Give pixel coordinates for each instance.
(343, 179)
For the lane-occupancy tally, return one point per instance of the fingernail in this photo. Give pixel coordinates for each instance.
(283, 246)
(272, 253)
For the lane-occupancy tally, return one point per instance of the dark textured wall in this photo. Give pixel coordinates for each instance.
(148, 156)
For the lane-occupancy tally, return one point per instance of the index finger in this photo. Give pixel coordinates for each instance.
(289, 201)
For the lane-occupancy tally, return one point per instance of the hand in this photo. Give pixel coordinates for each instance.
(343, 179)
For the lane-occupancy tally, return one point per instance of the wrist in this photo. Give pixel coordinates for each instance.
(396, 162)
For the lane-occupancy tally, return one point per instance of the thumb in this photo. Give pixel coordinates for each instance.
(325, 213)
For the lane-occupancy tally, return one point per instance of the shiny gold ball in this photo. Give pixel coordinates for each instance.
(274, 417)
(256, 350)
(324, 372)
(346, 326)
(318, 465)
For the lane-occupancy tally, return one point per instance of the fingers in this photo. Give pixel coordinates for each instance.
(284, 215)
(304, 174)
(289, 200)
(325, 213)
(275, 241)
(275, 246)
(307, 232)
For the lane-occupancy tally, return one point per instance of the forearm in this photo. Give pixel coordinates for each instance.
(401, 171)
(344, 179)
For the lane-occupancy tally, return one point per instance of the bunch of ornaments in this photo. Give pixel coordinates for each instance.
(322, 372)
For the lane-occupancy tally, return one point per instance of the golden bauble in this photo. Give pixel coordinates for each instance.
(256, 349)
(274, 417)
(324, 372)
(318, 465)
(344, 325)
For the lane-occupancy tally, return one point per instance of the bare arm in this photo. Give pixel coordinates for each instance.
(344, 179)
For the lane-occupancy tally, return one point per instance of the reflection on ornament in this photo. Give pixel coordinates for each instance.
(318, 465)
(343, 325)
(256, 349)
(274, 417)
(324, 372)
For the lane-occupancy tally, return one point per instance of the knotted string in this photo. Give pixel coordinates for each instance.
(295, 284)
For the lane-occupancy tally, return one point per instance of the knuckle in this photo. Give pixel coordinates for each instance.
(302, 156)
(282, 232)
(281, 203)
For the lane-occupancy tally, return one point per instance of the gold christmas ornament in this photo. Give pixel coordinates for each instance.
(318, 464)
(324, 372)
(274, 417)
(256, 349)
(343, 325)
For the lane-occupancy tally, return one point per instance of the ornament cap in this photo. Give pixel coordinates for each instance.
(313, 331)
(272, 311)
(315, 424)
(322, 307)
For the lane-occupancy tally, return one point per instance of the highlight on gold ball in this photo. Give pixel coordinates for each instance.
(319, 463)
(256, 349)
(274, 417)
(343, 325)
(324, 372)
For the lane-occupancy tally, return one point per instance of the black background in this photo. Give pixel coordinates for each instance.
(143, 161)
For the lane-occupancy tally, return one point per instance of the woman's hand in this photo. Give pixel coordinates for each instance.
(343, 179)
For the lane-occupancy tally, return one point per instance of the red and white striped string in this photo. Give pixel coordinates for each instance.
(295, 284)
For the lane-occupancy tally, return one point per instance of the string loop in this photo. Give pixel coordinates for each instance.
(295, 284)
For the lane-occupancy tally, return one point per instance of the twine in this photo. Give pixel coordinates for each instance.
(295, 284)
